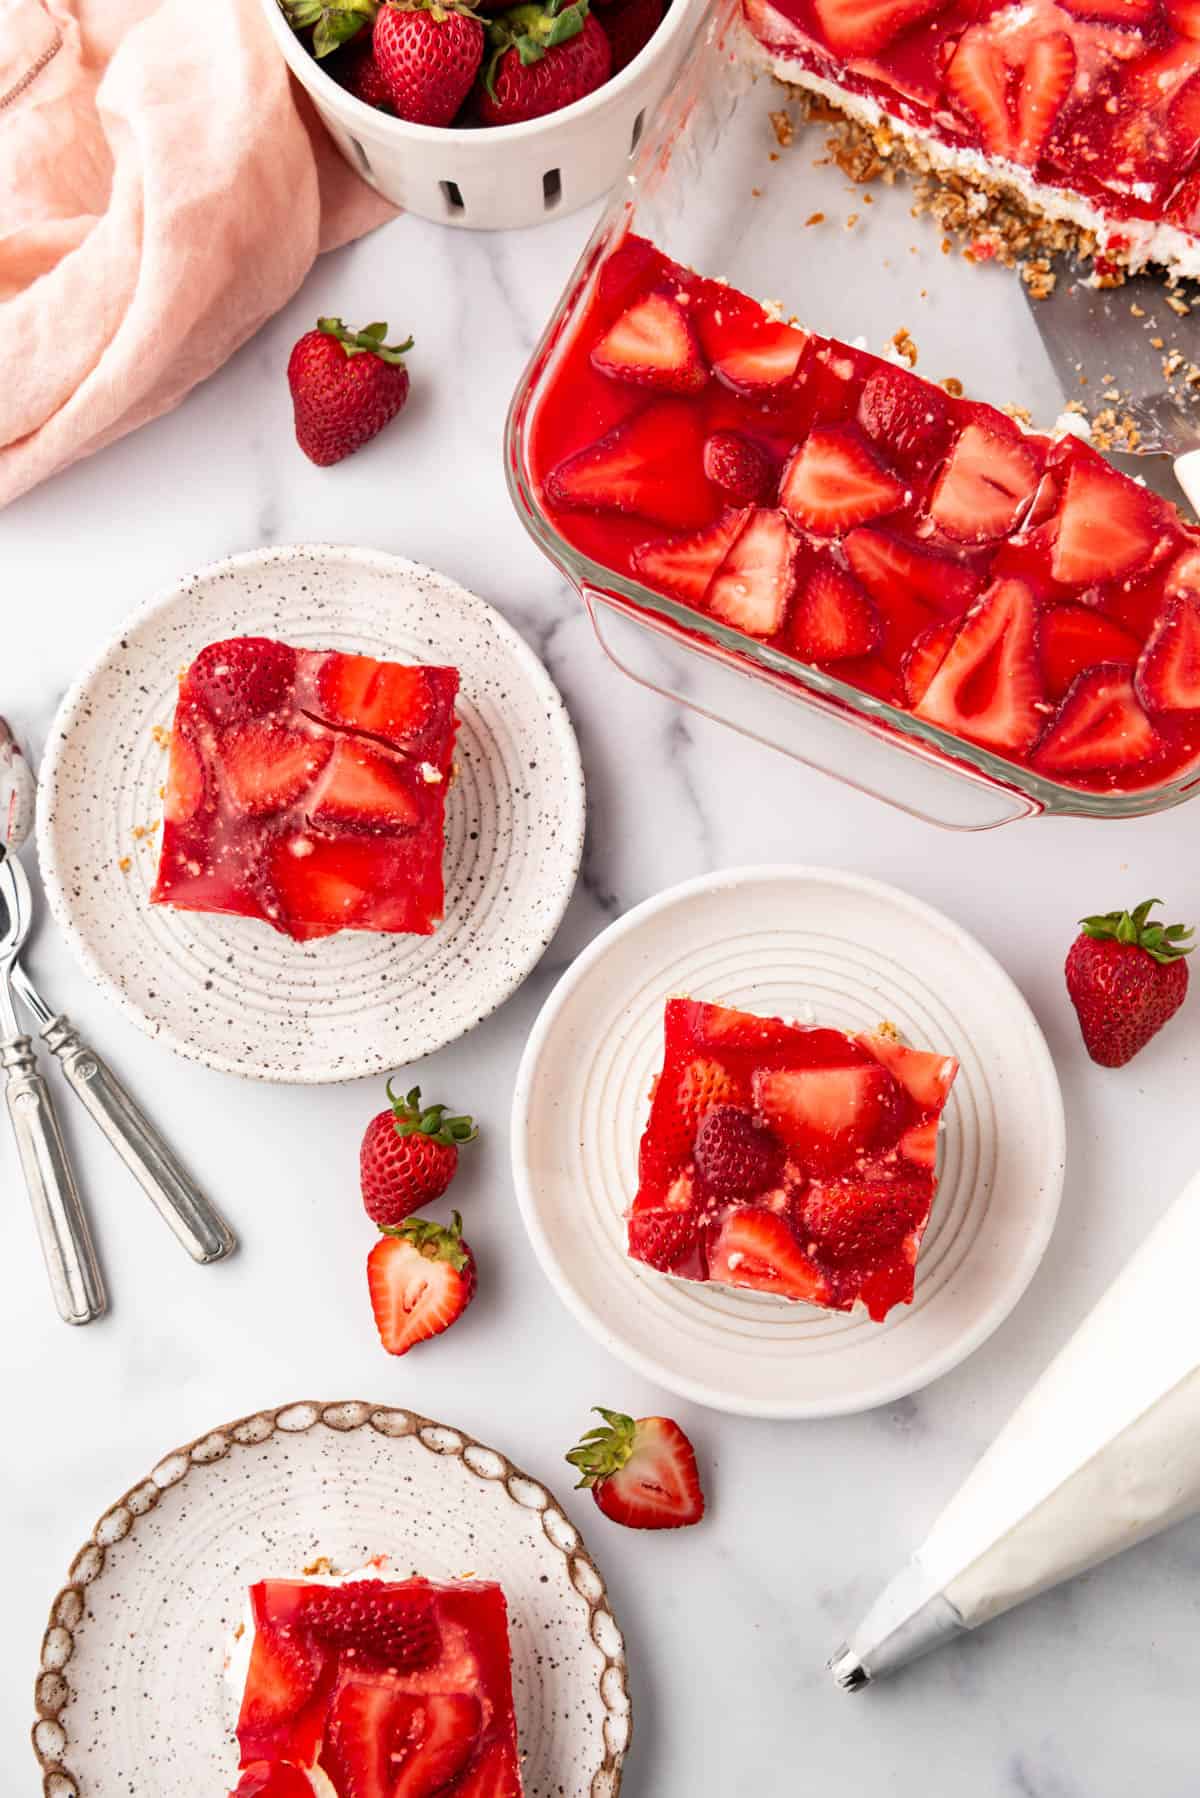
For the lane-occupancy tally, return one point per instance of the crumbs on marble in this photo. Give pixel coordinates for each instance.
(815, 218)
(784, 129)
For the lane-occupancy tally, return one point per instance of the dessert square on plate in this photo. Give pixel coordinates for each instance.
(378, 1688)
(789, 1159)
(307, 789)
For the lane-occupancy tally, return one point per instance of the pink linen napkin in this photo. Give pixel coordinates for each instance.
(164, 188)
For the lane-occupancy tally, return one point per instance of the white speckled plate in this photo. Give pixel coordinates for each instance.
(231, 991)
(825, 947)
(131, 1695)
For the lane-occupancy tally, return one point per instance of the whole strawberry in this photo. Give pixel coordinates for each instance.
(356, 70)
(1126, 977)
(428, 52)
(630, 26)
(409, 1156)
(738, 467)
(540, 59)
(735, 1154)
(345, 385)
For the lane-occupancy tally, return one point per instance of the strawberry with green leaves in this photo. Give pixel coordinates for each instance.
(409, 1156)
(642, 1472)
(540, 58)
(345, 386)
(1126, 977)
(428, 52)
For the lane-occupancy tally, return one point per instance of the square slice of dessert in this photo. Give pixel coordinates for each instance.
(307, 788)
(378, 1688)
(1085, 113)
(1011, 590)
(795, 1161)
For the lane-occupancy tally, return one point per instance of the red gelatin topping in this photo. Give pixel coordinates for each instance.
(392, 1688)
(794, 1161)
(308, 788)
(1009, 588)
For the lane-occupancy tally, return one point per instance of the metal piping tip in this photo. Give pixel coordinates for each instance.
(848, 1671)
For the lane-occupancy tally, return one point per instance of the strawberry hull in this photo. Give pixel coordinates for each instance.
(913, 547)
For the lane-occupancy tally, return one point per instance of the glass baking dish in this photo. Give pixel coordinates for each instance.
(718, 187)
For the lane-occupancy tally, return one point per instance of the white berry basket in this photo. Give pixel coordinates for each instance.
(493, 178)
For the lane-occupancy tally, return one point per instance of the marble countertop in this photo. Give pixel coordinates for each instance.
(1084, 1694)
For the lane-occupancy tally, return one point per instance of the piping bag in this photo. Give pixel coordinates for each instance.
(1103, 1452)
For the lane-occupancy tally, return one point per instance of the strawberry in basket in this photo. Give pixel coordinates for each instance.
(541, 58)
(428, 53)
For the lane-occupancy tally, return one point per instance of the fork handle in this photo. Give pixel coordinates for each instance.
(58, 1212)
(1187, 473)
(167, 1184)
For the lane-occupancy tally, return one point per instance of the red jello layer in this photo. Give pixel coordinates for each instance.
(791, 1161)
(308, 788)
(391, 1688)
(1010, 588)
(1099, 98)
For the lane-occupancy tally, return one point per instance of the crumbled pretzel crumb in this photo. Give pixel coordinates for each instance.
(785, 131)
(815, 218)
(124, 864)
(953, 386)
(901, 341)
(161, 735)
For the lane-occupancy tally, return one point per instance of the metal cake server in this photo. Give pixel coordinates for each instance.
(1115, 341)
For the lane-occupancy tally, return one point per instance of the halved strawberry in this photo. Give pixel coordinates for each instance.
(1131, 13)
(828, 1117)
(1168, 673)
(1098, 726)
(833, 482)
(684, 566)
(240, 678)
(273, 1779)
(321, 884)
(754, 583)
(365, 790)
(641, 1473)
(374, 1617)
(755, 1248)
(908, 418)
(421, 1279)
(989, 685)
(283, 1682)
(1073, 638)
(890, 568)
(385, 699)
(494, 1775)
(863, 1219)
(1046, 78)
(753, 354)
(977, 77)
(185, 780)
(862, 27)
(985, 485)
(435, 1737)
(667, 1240)
(678, 1109)
(737, 1156)
(266, 768)
(925, 1076)
(651, 465)
(1106, 525)
(357, 1753)
(925, 657)
(833, 618)
(739, 467)
(653, 345)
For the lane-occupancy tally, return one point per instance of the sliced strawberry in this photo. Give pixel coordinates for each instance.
(755, 355)
(755, 1248)
(920, 1143)
(1168, 673)
(652, 465)
(494, 1775)
(185, 780)
(754, 583)
(833, 617)
(925, 657)
(1184, 16)
(653, 345)
(833, 482)
(862, 27)
(1130, 13)
(273, 1779)
(723, 1026)
(926, 1077)
(678, 1109)
(977, 77)
(684, 566)
(744, 472)
(1098, 726)
(1046, 78)
(267, 768)
(283, 1681)
(642, 1473)
(889, 567)
(985, 485)
(1106, 525)
(421, 1279)
(364, 1722)
(667, 1240)
(385, 699)
(1073, 638)
(241, 678)
(906, 417)
(863, 1219)
(989, 686)
(365, 790)
(321, 885)
(828, 1117)
(434, 1740)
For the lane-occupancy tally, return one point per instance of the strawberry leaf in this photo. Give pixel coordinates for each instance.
(1164, 942)
(357, 343)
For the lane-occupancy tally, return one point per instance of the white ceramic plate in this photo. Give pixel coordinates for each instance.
(829, 948)
(230, 991)
(131, 1696)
